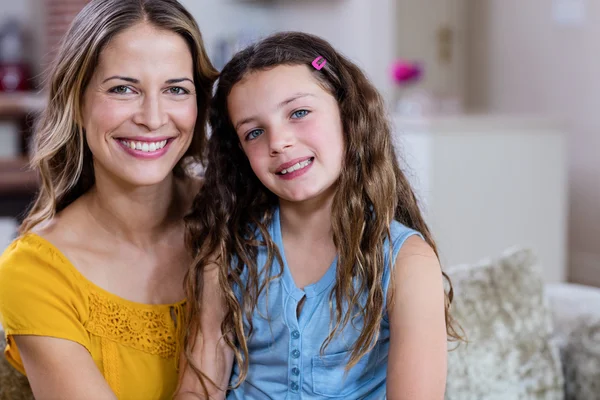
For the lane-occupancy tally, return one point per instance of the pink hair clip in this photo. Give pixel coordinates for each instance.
(316, 64)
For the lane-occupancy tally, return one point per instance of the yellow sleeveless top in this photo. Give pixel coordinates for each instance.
(135, 346)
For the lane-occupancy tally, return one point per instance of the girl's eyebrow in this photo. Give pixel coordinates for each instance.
(280, 105)
(293, 98)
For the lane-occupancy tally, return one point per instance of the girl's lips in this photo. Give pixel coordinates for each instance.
(299, 172)
(290, 163)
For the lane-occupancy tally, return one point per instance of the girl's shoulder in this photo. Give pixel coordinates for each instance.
(401, 239)
(400, 232)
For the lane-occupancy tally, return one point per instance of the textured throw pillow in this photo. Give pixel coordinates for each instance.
(581, 360)
(576, 315)
(510, 354)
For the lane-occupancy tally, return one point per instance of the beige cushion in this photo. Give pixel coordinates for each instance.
(576, 312)
(510, 355)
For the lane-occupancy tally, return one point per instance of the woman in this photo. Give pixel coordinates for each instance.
(91, 292)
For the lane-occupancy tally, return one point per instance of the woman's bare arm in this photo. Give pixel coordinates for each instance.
(210, 353)
(61, 369)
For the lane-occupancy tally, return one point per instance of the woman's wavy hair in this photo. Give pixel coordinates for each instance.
(60, 153)
(230, 215)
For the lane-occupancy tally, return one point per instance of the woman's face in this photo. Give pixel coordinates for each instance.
(140, 109)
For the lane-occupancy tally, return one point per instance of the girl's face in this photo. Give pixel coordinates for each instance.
(140, 109)
(291, 131)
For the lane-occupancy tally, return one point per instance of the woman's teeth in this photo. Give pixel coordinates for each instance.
(296, 166)
(144, 146)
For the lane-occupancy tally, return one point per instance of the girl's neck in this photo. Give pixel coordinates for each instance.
(138, 215)
(310, 219)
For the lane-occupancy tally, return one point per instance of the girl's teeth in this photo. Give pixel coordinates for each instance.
(296, 167)
(144, 146)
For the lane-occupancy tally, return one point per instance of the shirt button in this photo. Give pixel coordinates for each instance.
(294, 386)
(296, 353)
(295, 371)
(295, 334)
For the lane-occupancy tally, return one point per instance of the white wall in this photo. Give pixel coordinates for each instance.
(522, 61)
(218, 18)
(488, 183)
(360, 29)
(418, 29)
(363, 30)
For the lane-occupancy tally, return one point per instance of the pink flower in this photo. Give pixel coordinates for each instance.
(405, 72)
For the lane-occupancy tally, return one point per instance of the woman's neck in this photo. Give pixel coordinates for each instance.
(138, 215)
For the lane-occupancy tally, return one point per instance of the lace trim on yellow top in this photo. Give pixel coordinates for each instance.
(153, 328)
(148, 330)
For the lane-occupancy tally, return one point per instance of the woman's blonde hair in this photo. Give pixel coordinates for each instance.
(59, 150)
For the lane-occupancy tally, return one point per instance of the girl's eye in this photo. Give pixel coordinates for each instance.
(178, 90)
(254, 134)
(300, 114)
(121, 89)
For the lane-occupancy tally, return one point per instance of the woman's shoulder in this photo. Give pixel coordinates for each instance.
(32, 255)
(38, 253)
(35, 279)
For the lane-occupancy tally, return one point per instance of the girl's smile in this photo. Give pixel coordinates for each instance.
(290, 129)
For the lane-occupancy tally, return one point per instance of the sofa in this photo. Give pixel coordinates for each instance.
(526, 340)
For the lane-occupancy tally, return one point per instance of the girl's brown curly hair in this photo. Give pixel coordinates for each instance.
(230, 216)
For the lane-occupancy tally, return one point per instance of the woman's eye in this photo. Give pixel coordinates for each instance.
(121, 89)
(254, 134)
(300, 114)
(178, 90)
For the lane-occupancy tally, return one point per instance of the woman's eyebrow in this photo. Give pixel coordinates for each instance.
(136, 81)
(122, 78)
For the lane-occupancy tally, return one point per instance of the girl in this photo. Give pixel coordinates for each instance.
(329, 282)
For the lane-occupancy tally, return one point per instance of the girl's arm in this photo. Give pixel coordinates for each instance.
(418, 348)
(211, 354)
(61, 369)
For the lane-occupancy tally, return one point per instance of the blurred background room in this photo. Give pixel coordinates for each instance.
(497, 130)
(493, 109)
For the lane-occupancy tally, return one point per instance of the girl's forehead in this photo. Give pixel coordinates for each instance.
(282, 77)
(271, 88)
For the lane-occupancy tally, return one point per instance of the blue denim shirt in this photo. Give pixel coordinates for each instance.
(285, 360)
